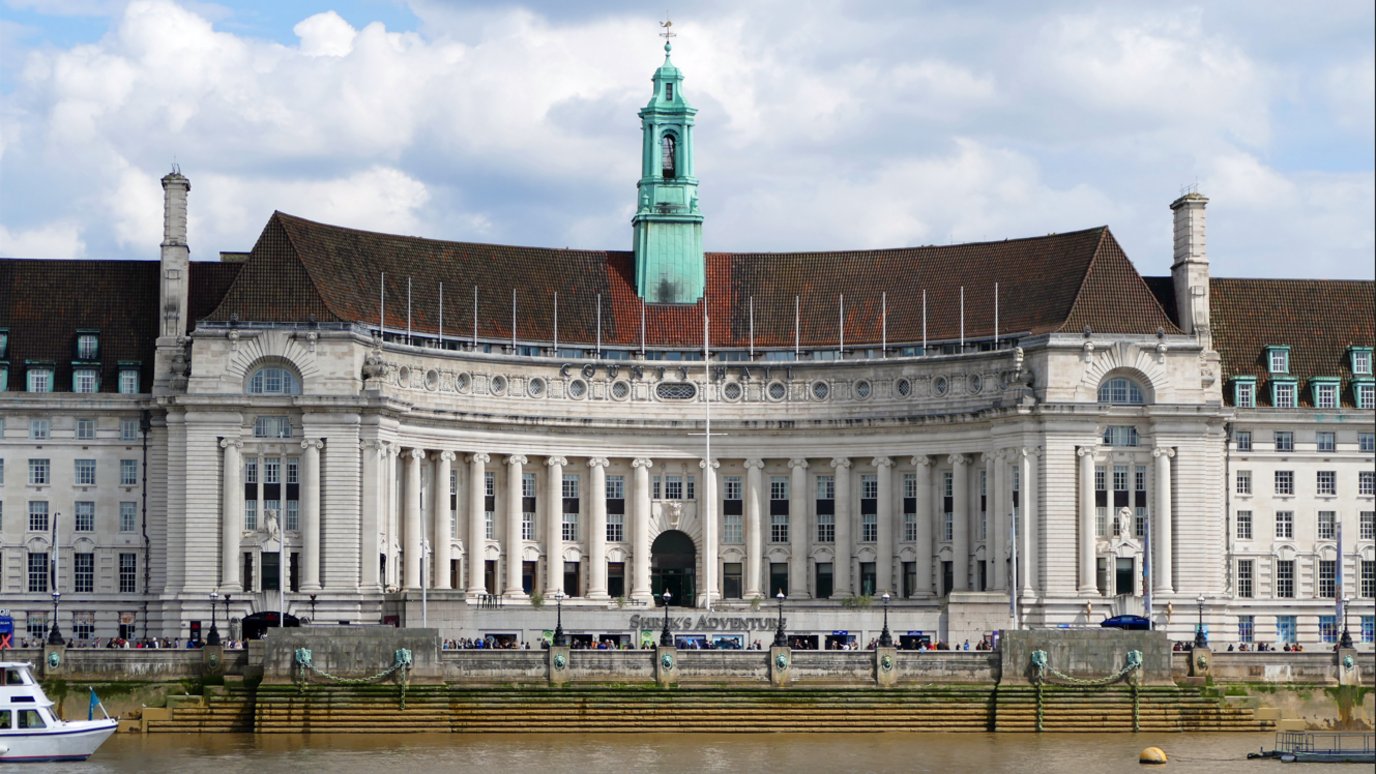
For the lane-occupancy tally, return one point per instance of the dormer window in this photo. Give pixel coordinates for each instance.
(668, 157)
(4, 343)
(40, 379)
(128, 379)
(1245, 392)
(87, 346)
(85, 380)
(1283, 393)
(1325, 391)
(1361, 360)
(1278, 359)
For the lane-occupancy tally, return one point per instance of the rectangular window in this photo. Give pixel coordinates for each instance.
(732, 532)
(1244, 482)
(673, 487)
(251, 471)
(616, 527)
(1368, 585)
(1328, 576)
(40, 380)
(1285, 441)
(128, 429)
(909, 527)
(570, 488)
(528, 485)
(85, 429)
(1369, 628)
(1285, 578)
(1245, 574)
(272, 470)
(87, 346)
(731, 488)
(869, 487)
(731, 580)
(527, 525)
(85, 518)
(38, 515)
(1361, 362)
(292, 521)
(826, 487)
(85, 473)
(947, 527)
(616, 487)
(1280, 361)
(1244, 525)
(490, 525)
(570, 527)
(84, 380)
(128, 472)
(1285, 482)
(1246, 395)
(826, 528)
(1120, 435)
(1246, 629)
(250, 515)
(83, 573)
(293, 470)
(1328, 628)
(490, 484)
(128, 381)
(1327, 482)
(38, 572)
(1100, 478)
(272, 427)
(1120, 478)
(1366, 442)
(869, 528)
(654, 488)
(1285, 525)
(909, 485)
(1326, 442)
(1244, 440)
(1328, 525)
(1366, 482)
(1367, 528)
(1285, 395)
(778, 487)
(1325, 396)
(1366, 395)
(947, 485)
(778, 528)
(38, 472)
(128, 573)
(128, 517)
(1285, 629)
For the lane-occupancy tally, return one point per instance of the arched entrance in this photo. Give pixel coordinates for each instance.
(673, 566)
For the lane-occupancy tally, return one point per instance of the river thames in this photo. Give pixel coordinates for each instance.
(755, 753)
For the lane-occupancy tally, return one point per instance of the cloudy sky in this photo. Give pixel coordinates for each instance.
(822, 125)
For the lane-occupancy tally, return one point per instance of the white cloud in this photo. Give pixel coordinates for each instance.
(326, 34)
(54, 240)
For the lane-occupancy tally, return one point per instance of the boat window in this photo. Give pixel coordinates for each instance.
(12, 677)
(30, 719)
(4, 719)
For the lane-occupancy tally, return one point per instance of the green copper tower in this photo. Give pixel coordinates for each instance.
(669, 265)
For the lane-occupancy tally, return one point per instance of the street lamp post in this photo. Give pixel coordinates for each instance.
(666, 639)
(1346, 640)
(886, 639)
(227, 626)
(1201, 640)
(213, 638)
(780, 639)
(55, 636)
(560, 640)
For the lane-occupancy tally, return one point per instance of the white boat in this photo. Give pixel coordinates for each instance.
(29, 729)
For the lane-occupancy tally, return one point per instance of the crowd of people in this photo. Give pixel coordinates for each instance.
(121, 643)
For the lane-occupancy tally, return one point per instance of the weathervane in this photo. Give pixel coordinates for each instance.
(666, 34)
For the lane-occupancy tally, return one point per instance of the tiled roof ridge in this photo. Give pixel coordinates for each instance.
(288, 217)
(1106, 240)
(1293, 279)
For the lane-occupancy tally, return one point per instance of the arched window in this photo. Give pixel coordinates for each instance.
(274, 381)
(668, 157)
(1120, 392)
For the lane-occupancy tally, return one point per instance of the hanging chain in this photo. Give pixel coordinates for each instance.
(303, 661)
(1041, 667)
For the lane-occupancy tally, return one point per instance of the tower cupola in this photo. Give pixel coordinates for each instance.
(669, 263)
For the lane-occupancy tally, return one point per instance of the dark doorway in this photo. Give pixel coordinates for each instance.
(528, 576)
(272, 565)
(778, 578)
(673, 567)
(490, 575)
(255, 625)
(731, 580)
(616, 579)
(1124, 580)
(867, 579)
(948, 579)
(571, 579)
(825, 581)
(455, 575)
(909, 579)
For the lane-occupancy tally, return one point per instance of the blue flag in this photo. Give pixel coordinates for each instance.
(91, 711)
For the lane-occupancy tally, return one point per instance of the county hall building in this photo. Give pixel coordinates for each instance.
(996, 434)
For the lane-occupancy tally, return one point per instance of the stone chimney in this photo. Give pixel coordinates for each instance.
(176, 256)
(1190, 269)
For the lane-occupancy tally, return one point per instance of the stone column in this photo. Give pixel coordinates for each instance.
(597, 529)
(368, 577)
(711, 506)
(640, 557)
(841, 570)
(799, 530)
(310, 515)
(925, 552)
(512, 545)
(443, 518)
(232, 516)
(554, 536)
(390, 497)
(412, 532)
(996, 542)
(1086, 547)
(883, 563)
(960, 528)
(754, 545)
(1030, 532)
(1162, 579)
(475, 548)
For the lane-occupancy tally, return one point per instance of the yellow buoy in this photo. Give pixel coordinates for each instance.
(1153, 755)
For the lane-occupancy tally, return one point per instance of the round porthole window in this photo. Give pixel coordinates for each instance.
(731, 391)
(976, 383)
(432, 379)
(820, 390)
(777, 391)
(536, 388)
(862, 390)
(904, 388)
(620, 390)
(940, 385)
(498, 385)
(404, 376)
(578, 388)
(463, 382)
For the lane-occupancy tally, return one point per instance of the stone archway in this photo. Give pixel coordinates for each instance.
(673, 566)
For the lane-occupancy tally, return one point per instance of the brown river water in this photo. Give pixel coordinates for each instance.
(753, 753)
